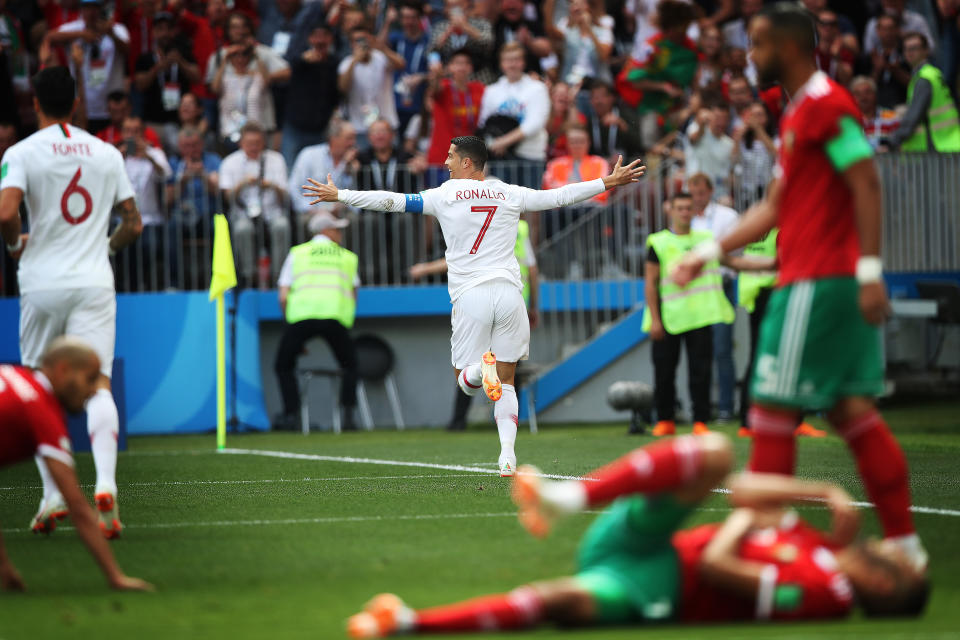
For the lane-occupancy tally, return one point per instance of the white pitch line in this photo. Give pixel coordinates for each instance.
(396, 463)
(261, 481)
(455, 467)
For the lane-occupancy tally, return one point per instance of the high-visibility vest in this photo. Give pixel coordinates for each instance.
(520, 250)
(750, 283)
(699, 304)
(322, 288)
(941, 117)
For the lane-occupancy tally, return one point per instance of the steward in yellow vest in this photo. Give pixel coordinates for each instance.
(674, 314)
(931, 122)
(318, 298)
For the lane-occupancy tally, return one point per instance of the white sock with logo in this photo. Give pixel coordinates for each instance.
(103, 425)
(505, 412)
(471, 379)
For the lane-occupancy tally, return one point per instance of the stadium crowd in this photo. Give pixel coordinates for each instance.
(230, 104)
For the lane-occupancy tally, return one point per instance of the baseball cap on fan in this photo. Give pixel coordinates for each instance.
(323, 220)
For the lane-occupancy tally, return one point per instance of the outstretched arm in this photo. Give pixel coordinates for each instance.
(581, 191)
(370, 200)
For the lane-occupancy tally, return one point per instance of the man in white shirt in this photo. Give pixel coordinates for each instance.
(709, 148)
(719, 220)
(906, 19)
(333, 157)
(105, 45)
(479, 220)
(366, 79)
(516, 95)
(254, 181)
(70, 182)
(147, 168)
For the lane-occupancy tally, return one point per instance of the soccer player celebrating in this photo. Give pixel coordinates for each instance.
(70, 181)
(636, 565)
(479, 219)
(820, 342)
(32, 424)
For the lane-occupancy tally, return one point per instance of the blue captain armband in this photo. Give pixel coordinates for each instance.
(414, 203)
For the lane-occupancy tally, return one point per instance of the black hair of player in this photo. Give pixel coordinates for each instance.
(675, 14)
(415, 5)
(907, 599)
(791, 20)
(472, 147)
(55, 91)
(681, 195)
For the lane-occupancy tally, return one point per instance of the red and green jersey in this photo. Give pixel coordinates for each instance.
(821, 137)
(664, 60)
(800, 580)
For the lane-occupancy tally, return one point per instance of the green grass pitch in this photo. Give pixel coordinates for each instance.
(243, 546)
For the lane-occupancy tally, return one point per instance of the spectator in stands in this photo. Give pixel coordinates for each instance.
(241, 74)
(514, 25)
(948, 39)
(520, 105)
(59, 13)
(741, 97)
(709, 148)
(163, 75)
(666, 67)
(308, 110)
(137, 17)
(253, 180)
(461, 31)
(844, 24)
(613, 131)
(931, 122)
(719, 220)
(190, 115)
(385, 166)
(833, 58)
(366, 81)
(906, 19)
(193, 193)
(118, 110)
(456, 109)
(754, 155)
(563, 112)
(336, 157)
(105, 48)
(735, 32)
(8, 136)
(710, 69)
(148, 169)
(878, 123)
(890, 70)
(578, 166)
(585, 43)
(412, 44)
(278, 21)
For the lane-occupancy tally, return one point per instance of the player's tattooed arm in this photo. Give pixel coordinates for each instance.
(130, 225)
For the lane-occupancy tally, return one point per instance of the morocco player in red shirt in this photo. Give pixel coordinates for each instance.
(820, 341)
(32, 423)
(637, 566)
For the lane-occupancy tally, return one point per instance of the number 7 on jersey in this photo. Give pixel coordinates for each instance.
(489, 210)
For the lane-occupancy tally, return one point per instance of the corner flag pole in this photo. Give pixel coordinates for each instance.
(223, 278)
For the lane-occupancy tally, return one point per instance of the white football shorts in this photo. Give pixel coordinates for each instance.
(491, 316)
(88, 313)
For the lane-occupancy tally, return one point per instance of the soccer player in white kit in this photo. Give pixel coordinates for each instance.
(70, 182)
(479, 219)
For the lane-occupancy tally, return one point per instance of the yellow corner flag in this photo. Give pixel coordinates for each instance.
(223, 278)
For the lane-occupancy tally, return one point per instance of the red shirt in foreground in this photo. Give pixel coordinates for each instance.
(818, 231)
(31, 420)
(801, 580)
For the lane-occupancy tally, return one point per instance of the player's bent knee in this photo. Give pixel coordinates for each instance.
(564, 601)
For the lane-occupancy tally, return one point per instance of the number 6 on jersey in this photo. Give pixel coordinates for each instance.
(489, 210)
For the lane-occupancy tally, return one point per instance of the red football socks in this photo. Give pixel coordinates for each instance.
(518, 609)
(774, 445)
(661, 466)
(883, 469)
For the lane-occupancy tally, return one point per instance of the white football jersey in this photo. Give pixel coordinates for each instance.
(71, 181)
(479, 220)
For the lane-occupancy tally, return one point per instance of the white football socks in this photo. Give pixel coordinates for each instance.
(50, 492)
(505, 412)
(471, 379)
(103, 425)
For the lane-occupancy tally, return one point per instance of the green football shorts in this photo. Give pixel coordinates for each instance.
(815, 347)
(627, 562)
